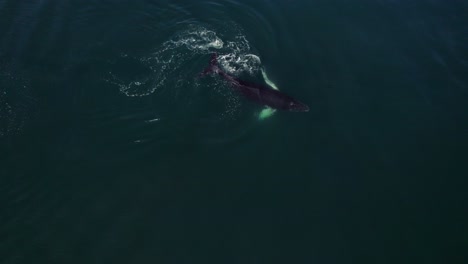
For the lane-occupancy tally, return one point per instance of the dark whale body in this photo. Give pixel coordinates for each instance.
(257, 93)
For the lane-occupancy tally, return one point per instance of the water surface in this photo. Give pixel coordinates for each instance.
(113, 151)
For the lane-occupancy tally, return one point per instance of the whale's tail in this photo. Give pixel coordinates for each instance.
(213, 67)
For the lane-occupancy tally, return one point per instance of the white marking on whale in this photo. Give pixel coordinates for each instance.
(267, 111)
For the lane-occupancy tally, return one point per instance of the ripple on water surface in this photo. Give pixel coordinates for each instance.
(16, 102)
(170, 73)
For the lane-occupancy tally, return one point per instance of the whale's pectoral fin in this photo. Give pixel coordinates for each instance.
(266, 112)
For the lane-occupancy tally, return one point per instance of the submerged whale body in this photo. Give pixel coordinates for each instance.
(258, 93)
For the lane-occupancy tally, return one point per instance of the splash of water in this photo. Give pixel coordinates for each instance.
(175, 58)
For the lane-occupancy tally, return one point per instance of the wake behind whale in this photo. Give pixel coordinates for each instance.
(154, 74)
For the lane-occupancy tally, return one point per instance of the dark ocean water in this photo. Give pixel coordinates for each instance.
(113, 151)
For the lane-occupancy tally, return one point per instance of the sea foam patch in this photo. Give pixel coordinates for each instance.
(174, 57)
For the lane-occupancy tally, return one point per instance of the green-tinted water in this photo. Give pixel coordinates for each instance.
(113, 151)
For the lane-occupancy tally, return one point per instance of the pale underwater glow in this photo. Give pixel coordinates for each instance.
(267, 112)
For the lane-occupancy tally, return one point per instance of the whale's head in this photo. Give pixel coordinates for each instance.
(296, 106)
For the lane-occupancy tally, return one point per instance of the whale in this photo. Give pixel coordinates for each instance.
(256, 92)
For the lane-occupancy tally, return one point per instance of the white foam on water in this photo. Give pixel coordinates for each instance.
(167, 61)
(234, 57)
(174, 57)
(196, 39)
(137, 88)
(237, 63)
